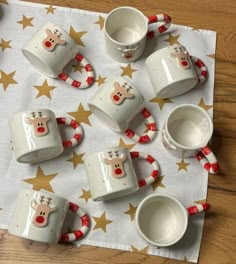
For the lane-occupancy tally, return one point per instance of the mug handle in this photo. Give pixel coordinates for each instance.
(89, 70)
(166, 21)
(151, 126)
(202, 75)
(155, 172)
(78, 131)
(208, 160)
(198, 208)
(85, 225)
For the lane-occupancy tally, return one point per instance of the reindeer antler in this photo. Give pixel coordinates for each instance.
(117, 153)
(127, 87)
(49, 199)
(33, 114)
(40, 114)
(110, 154)
(41, 198)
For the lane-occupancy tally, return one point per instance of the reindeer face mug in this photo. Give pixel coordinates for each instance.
(39, 216)
(111, 173)
(36, 136)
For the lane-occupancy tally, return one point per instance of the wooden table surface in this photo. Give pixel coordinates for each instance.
(219, 235)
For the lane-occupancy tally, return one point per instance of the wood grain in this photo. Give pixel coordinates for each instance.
(219, 235)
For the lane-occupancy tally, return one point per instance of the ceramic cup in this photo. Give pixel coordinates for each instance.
(162, 220)
(173, 71)
(186, 132)
(51, 49)
(36, 136)
(126, 30)
(116, 104)
(111, 173)
(39, 216)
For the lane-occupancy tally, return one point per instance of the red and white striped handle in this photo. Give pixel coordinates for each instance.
(198, 208)
(155, 172)
(78, 131)
(165, 24)
(202, 75)
(151, 126)
(85, 225)
(208, 160)
(77, 84)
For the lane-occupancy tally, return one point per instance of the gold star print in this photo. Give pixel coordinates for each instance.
(131, 211)
(100, 80)
(158, 183)
(100, 22)
(182, 165)
(26, 22)
(161, 102)
(77, 36)
(144, 250)
(7, 79)
(124, 145)
(81, 115)
(41, 181)
(78, 67)
(76, 159)
(172, 39)
(5, 44)
(128, 71)
(44, 89)
(4, 2)
(212, 56)
(50, 9)
(86, 195)
(203, 105)
(101, 222)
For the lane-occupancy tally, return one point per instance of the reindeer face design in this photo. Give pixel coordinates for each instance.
(116, 164)
(52, 39)
(39, 123)
(120, 93)
(182, 57)
(128, 53)
(42, 211)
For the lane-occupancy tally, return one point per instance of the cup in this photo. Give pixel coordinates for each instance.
(126, 30)
(51, 49)
(173, 71)
(116, 104)
(39, 216)
(186, 133)
(111, 173)
(162, 220)
(36, 136)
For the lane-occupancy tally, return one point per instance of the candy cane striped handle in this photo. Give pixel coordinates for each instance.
(155, 172)
(208, 160)
(151, 126)
(78, 131)
(77, 84)
(166, 21)
(85, 225)
(202, 76)
(198, 208)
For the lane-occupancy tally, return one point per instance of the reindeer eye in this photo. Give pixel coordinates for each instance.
(41, 124)
(43, 213)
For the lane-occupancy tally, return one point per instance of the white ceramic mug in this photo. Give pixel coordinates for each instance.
(173, 71)
(51, 49)
(162, 220)
(126, 31)
(186, 132)
(116, 104)
(36, 136)
(39, 216)
(111, 173)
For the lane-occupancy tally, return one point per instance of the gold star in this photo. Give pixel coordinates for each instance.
(124, 145)
(203, 105)
(212, 56)
(182, 165)
(144, 250)
(4, 2)
(157, 183)
(161, 102)
(76, 159)
(26, 22)
(86, 195)
(5, 44)
(131, 211)
(100, 80)
(81, 115)
(50, 9)
(100, 22)
(128, 71)
(77, 36)
(7, 79)
(78, 67)
(44, 89)
(41, 181)
(101, 222)
(173, 39)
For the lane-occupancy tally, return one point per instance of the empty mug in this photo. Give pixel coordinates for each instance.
(51, 49)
